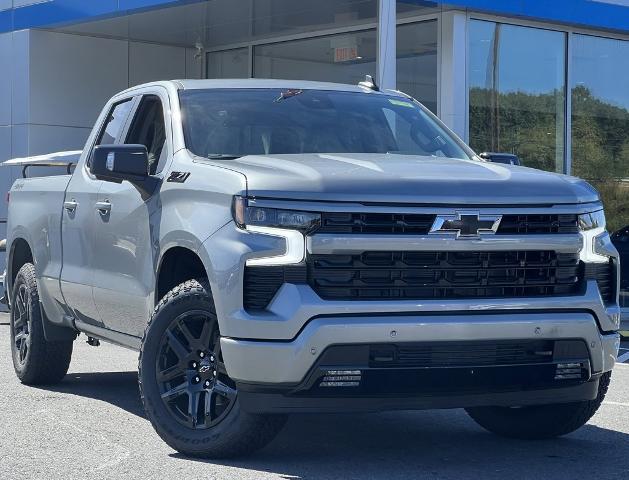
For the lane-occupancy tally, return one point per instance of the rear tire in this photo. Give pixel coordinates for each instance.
(186, 392)
(36, 361)
(541, 421)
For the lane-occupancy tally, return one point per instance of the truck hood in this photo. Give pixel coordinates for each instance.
(391, 178)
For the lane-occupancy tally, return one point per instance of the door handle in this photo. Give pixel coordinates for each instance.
(70, 205)
(103, 207)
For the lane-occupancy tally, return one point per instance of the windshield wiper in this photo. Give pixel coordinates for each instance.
(222, 156)
(293, 92)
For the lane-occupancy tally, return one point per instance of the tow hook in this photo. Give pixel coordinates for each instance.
(93, 342)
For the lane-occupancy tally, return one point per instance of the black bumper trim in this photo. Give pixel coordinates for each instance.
(276, 403)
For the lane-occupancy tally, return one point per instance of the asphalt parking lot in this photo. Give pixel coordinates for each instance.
(92, 426)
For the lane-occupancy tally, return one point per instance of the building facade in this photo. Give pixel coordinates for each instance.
(548, 81)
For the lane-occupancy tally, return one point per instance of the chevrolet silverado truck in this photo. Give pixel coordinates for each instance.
(272, 247)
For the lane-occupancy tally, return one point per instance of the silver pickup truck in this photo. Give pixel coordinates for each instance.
(272, 247)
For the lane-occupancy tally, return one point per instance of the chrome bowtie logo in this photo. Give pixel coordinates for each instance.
(466, 224)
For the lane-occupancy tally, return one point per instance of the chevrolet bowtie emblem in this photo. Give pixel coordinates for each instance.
(466, 224)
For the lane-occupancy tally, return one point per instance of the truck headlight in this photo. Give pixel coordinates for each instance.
(592, 220)
(595, 237)
(246, 215)
(291, 225)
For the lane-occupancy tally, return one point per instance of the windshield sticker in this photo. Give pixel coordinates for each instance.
(401, 103)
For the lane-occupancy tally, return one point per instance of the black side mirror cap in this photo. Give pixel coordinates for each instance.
(115, 163)
(504, 158)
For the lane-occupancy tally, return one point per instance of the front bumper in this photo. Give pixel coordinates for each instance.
(286, 377)
(287, 363)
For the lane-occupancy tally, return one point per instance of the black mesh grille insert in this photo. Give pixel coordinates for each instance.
(605, 276)
(433, 275)
(461, 354)
(536, 224)
(419, 224)
(262, 283)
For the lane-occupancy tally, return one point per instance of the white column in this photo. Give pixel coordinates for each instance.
(453, 95)
(386, 54)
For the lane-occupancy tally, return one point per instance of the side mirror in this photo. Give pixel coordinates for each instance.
(505, 158)
(115, 163)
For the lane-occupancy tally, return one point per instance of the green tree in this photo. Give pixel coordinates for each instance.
(531, 127)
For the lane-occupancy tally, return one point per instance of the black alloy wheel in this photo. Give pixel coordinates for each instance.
(36, 360)
(186, 391)
(191, 375)
(21, 324)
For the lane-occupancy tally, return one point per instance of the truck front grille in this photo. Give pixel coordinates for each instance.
(382, 223)
(434, 275)
(463, 354)
(428, 275)
(419, 224)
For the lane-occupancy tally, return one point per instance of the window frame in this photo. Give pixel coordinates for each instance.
(135, 96)
(135, 110)
(103, 125)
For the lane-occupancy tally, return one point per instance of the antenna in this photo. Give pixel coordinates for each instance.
(369, 83)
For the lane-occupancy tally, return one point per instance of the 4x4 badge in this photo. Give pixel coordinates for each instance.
(466, 224)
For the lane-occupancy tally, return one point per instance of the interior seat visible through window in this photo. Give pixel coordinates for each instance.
(148, 129)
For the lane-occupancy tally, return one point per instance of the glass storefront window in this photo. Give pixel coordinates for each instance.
(409, 8)
(348, 57)
(229, 22)
(600, 120)
(228, 63)
(517, 94)
(342, 58)
(600, 132)
(417, 61)
(272, 17)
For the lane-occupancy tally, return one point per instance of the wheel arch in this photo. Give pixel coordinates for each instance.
(177, 265)
(20, 253)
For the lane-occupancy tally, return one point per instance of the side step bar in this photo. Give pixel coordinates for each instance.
(3, 292)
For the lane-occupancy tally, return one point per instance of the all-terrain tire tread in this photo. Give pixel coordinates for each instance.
(48, 362)
(261, 428)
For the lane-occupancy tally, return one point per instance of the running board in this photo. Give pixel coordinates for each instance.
(111, 336)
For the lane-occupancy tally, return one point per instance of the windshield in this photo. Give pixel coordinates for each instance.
(225, 123)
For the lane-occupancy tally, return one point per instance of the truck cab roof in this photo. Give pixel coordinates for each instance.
(261, 83)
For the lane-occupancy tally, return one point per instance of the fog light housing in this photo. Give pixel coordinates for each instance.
(569, 371)
(341, 378)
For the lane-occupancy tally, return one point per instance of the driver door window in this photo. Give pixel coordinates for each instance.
(148, 129)
(114, 124)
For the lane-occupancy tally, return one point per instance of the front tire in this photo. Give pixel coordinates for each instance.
(541, 421)
(35, 360)
(186, 392)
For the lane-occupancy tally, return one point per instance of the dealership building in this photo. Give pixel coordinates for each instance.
(546, 80)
